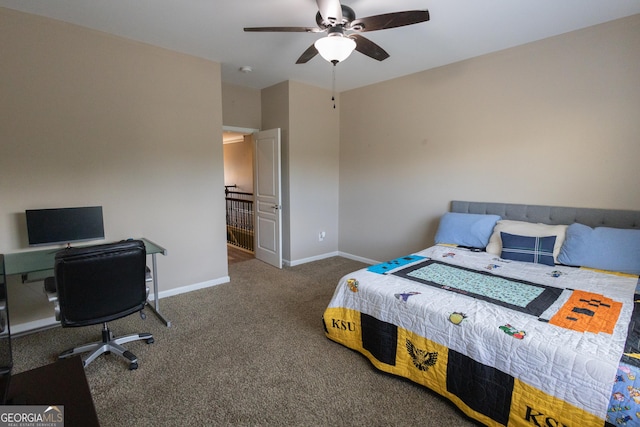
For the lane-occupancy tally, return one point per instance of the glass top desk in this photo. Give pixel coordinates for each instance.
(41, 262)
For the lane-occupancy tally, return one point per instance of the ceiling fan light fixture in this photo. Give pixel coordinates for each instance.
(335, 47)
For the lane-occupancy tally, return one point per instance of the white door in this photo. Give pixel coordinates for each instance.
(268, 203)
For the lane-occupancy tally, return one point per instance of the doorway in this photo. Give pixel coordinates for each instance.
(238, 182)
(257, 165)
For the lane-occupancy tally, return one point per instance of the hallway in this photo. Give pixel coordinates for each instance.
(235, 255)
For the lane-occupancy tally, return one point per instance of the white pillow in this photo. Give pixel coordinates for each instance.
(530, 229)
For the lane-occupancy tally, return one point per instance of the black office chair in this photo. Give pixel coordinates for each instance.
(97, 284)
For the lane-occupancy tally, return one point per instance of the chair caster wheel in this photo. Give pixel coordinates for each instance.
(150, 341)
(133, 366)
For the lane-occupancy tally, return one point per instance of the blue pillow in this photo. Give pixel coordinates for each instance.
(538, 250)
(464, 229)
(604, 248)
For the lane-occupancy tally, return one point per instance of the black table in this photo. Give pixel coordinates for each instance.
(60, 383)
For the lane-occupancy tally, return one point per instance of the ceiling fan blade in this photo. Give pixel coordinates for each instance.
(369, 48)
(389, 20)
(307, 55)
(330, 10)
(284, 29)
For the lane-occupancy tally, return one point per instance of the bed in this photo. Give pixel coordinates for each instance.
(521, 315)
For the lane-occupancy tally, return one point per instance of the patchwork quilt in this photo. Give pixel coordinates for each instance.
(509, 343)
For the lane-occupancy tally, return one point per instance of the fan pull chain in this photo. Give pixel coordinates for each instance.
(333, 85)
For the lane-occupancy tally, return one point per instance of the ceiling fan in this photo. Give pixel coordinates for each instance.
(342, 28)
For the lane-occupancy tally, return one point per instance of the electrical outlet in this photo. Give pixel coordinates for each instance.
(321, 236)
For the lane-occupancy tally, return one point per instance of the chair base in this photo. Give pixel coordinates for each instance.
(109, 344)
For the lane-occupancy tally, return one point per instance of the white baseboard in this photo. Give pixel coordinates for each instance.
(33, 326)
(189, 288)
(357, 258)
(50, 322)
(288, 263)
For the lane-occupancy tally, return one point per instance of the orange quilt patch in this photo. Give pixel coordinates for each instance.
(588, 312)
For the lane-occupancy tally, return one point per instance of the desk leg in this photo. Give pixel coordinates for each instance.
(156, 305)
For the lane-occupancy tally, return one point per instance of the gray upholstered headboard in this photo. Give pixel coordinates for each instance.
(553, 214)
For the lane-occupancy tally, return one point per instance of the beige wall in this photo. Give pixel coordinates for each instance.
(241, 106)
(313, 172)
(310, 142)
(310, 146)
(91, 119)
(552, 122)
(238, 164)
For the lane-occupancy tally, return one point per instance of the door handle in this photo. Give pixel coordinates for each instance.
(276, 207)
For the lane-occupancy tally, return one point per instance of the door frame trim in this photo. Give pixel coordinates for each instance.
(239, 129)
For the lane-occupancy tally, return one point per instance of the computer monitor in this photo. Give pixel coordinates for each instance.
(64, 225)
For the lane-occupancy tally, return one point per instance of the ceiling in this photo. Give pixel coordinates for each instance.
(213, 29)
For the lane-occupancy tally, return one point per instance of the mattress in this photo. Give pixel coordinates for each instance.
(509, 343)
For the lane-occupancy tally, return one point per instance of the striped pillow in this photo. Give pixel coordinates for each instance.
(538, 250)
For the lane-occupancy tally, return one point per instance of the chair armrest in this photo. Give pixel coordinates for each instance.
(3, 315)
(51, 290)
